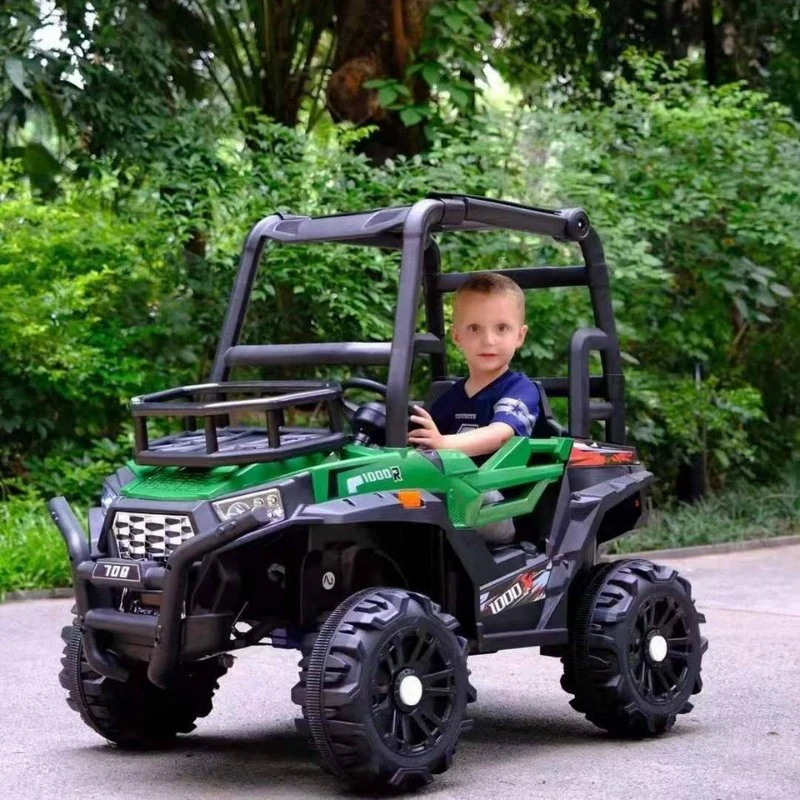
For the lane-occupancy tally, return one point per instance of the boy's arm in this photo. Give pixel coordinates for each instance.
(472, 443)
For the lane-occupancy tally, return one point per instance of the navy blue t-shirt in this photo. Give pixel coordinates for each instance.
(511, 398)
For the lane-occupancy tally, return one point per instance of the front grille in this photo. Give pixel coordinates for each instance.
(150, 536)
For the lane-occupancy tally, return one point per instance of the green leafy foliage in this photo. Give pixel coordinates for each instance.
(76, 473)
(454, 51)
(131, 80)
(566, 49)
(87, 313)
(450, 60)
(672, 419)
(119, 286)
(34, 95)
(694, 192)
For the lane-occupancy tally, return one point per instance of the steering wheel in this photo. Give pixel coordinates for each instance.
(350, 407)
(364, 383)
(373, 386)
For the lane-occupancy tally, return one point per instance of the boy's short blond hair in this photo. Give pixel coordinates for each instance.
(492, 283)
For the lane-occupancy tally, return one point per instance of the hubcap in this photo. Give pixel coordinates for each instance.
(414, 690)
(657, 647)
(410, 690)
(661, 649)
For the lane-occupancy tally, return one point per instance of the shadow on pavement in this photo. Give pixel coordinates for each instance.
(284, 762)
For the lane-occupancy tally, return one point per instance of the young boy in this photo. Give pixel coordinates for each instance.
(482, 412)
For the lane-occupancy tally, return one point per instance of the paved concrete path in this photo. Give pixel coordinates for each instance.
(741, 741)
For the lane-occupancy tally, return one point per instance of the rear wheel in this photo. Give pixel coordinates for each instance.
(136, 713)
(384, 690)
(635, 650)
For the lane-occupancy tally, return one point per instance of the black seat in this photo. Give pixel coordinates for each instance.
(546, 424)
(436, 390)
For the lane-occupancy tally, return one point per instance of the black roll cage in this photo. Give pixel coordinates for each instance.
(410, 229)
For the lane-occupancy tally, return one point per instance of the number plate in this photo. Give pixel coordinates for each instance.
(117, 571)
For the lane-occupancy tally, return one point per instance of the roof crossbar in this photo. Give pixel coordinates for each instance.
(525, 277)
(361, 353)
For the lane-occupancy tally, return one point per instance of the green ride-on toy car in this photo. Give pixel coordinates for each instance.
(346, 543)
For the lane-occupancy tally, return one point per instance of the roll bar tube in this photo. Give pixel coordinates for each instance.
(240, 294)
(420, 267)
(422, 215)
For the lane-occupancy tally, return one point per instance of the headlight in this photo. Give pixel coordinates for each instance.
(234, 506)
(107, 496)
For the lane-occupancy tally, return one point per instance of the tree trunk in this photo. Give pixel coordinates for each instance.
(709, 40)
(375, 39)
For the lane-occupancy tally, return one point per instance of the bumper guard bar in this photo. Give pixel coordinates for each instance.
(165, 629)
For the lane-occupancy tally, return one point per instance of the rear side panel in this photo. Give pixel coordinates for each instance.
(522, 469)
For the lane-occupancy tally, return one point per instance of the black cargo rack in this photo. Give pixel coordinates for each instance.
(219, 444)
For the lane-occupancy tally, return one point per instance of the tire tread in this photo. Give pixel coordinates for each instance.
(135, 714)
(591, 664)
(330, 673)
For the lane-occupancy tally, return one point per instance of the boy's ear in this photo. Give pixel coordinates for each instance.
(454, 335)
(522, 331)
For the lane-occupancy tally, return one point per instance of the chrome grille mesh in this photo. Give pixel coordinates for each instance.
(151, 536)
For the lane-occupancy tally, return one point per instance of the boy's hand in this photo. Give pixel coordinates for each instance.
(427, 435)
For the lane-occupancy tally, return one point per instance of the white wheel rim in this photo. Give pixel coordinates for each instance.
(658, 648)
(410, 690)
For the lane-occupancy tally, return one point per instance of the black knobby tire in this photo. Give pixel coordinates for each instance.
(136, 713)
(621, 681)
(350, 690)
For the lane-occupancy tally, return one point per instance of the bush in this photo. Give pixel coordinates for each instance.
(75, 472)
(674, 419)
(119, 285)
(89, 315)
(694, 191)
(328, 292)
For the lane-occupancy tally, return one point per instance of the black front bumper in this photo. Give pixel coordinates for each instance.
(163, 631)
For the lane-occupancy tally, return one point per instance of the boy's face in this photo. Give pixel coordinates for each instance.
(488, 328)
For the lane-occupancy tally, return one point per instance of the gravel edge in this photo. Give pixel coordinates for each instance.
(706, 549)
(17, 595)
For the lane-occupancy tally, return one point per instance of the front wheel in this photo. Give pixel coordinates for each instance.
(384, 690)
(136, 714)
(635, 650)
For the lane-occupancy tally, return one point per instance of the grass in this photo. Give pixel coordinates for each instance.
(32, 552)
(33, 555)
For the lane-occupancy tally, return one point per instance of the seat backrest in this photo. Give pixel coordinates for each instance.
(546, 424)
(436, 390)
